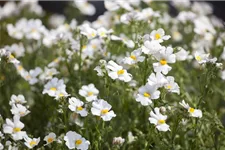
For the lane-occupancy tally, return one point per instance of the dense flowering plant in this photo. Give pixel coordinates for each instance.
(135, 78)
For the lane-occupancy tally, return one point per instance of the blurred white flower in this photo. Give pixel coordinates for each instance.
(118, 141)
(158, 120)
(192, 111)
(20, 110)
(117, 72)
(75, 140)
(14, 128)
(172, 86)
(17, 99)
(134, 57)
(159, 35)
(89, 92)
(76, 105)
(102, 108)
(31, 142)
(51, 137)
(85, 7)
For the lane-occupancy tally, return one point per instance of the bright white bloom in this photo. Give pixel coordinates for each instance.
(113, 5)
(102, 32)
(31, 143)
(130, 137)
(134, 57)
(172, 86)
(14, 128)
(51, 137)
(182, 54)
(157, 79)
(164, 57)
(32, 76)
(159, 35)
(54, 86)
(76, 105)
(102, 108)
(1, 146)
(201, 57)
(158, 120)
(85, 7)
(151, 47)
(17, 99)
(203, 26)
(223, 54)
(146, 94)
(89, 92)
(74, 140)
(48, 73)
(20, 110)
(192, 112)
(117, 72)
(118, 141)
(17, 49)
(88, 31)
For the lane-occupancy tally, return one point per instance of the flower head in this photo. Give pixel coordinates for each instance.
(89, 92)
(76, 105)
(31, 143)
(51, 137)
(192, 111)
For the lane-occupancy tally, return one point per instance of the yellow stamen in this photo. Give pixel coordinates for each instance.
(120, 72)
(133, 57)
(163, 62)
(146, 94)
(161, 121)
(61, 95)
(191, 110)
(80, 108)
(11, 56)
(93, 34)
(198, 58)
(104, 111)
(169, 86)
(50, 140)
(33, 30)
(157, 36)
(102, 33)
(94, 46)
(56, 60)
(53, 89)
(20, 68)
(16, 129)
(90, 93)
(78, 142)
(84, 47)
(32, 143)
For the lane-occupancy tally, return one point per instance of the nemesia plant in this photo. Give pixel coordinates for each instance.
(135, 78)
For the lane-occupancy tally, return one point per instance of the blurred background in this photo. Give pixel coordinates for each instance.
(58, 7)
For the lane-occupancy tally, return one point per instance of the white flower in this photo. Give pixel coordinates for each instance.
(32, 76)
(118, 141)
(76, 105)
(146, 94)
(48, 73)
(102, 108)
(74, 140)
(159, 35)
(88, 31)
(134, 57)
(151, 47)
(89, 92)
(201, 57)
(130, 137)
(159, 120)
(192, 112)
(31, 143)
(85, 7)
(1, 146)
(223, 54)
(157, 79)
(164, 57)
(53, 87)
(51, 137)
(20, 110)
(182, 54)
(117, 72)
(102, 32)
(14, 128)
(34, 29)
(172, 86)
(17, 99)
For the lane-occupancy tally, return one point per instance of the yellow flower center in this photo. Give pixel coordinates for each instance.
(198, 58)
(93, 34)
(32, 143)
(120, 72)
(20, 68)
(53, 89)
(67, 26)
(133, 57)
(50, 140)
(146, 94)
(157, 36)
(161, 121)
(56, 60)
(102, 33)
(61, 95)
(90, 93)
(78, 142)
(169, 86)
(84, 47)
(11, 56)
(191, 110)
(22, 113)
(16, 129)
(163, 62)
(94, 46)
(104, 111)
(33, 30)
(79, 108)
